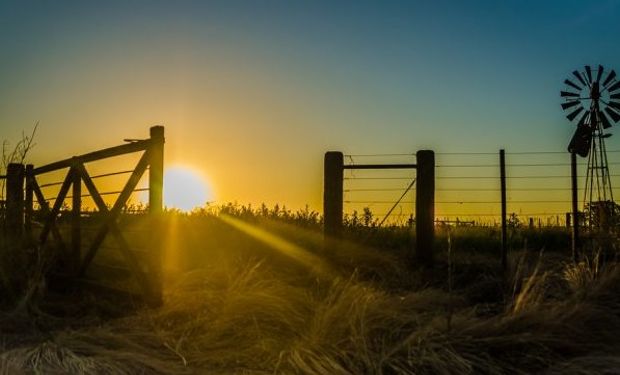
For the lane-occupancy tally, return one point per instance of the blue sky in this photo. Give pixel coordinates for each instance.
(256, 80)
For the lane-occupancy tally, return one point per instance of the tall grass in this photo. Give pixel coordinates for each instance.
(244, 316)
(238, 306)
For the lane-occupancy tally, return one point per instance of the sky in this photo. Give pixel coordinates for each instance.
(253, 93)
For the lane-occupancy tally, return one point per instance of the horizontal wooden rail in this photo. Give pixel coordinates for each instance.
(380, 166)
(96, 155)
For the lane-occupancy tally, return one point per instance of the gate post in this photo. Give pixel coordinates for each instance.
(15, 200)
(156, 183)
(425, 207)
(332, 194)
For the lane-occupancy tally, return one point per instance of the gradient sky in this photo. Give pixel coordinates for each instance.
(253, 93)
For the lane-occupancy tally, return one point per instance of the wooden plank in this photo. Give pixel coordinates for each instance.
(96, 155)
(46, 210)
(51, 219)
(156, 173)
(92, 189)
(425, 207)
(332, 195)
(156, 203)
(14, 218)
(380, 166)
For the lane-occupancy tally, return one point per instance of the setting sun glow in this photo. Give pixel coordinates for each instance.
(184, 189)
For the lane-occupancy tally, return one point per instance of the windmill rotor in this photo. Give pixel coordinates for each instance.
(595, 95)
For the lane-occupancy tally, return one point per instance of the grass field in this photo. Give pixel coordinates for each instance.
(250, 293)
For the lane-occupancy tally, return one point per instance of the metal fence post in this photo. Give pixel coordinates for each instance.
(425, 207)
(502, 173)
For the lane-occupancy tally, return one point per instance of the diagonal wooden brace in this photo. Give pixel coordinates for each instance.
(110, 224)
(53, 214)
(46, 211)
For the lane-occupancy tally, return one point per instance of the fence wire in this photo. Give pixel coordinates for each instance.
(468, 186)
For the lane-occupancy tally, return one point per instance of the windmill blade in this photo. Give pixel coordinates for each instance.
(570, 104)
(578, 75)
(571, 116)
(614, 87)
(572, 84)
(611, 76)
(581, 141)
(614, 96)
(613, 114)
(568, 94)
(599, 75)
(604, 120)
(589, 73)
(614, 105)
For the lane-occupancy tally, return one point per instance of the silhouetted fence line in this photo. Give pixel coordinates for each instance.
(507, 189)
(334, 190)
(554, 179)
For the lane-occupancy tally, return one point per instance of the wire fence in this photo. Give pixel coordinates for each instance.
(468, 187)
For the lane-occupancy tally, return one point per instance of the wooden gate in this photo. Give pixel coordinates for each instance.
(147, 272)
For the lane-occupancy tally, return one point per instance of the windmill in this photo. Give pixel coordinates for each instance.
(594, 103)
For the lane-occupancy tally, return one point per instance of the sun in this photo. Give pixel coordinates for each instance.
(184, 189)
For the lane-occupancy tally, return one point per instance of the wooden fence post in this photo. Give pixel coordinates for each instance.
(76, 217)
(15, 200)
(156, 183)
(29, 201)
(332, 194)
(502, 173)
(425, 207)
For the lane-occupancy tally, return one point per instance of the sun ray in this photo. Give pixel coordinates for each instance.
(283, 246)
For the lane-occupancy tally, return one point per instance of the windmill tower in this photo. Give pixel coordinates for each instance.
(595, 104)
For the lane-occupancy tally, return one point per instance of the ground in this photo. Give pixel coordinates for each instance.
(261, 296)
